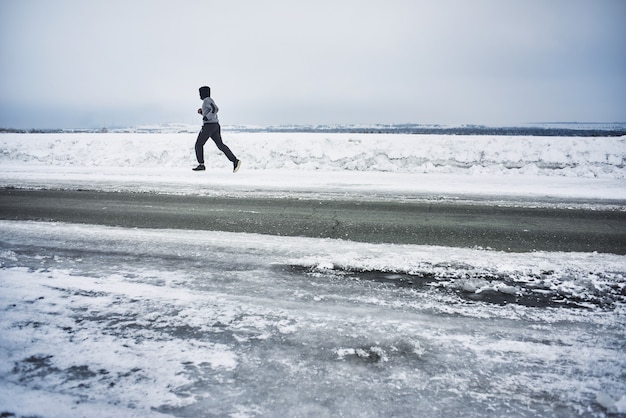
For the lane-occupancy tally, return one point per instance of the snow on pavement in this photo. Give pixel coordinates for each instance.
(99, 320)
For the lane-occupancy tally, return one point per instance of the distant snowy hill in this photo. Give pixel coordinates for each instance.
(530, 129)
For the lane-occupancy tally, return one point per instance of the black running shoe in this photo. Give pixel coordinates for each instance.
(236, 166)
(200, 167)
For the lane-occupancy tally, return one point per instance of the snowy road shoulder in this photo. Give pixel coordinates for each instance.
(103, 321)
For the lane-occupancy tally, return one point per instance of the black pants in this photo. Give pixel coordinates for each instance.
(213, 131)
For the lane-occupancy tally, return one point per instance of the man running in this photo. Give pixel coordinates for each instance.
(211, 129)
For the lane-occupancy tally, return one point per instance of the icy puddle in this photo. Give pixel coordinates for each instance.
(99, 321)
(540, 290)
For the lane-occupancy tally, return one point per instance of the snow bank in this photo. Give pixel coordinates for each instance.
(591, 157)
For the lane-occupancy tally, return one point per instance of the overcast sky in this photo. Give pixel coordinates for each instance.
(91, 64)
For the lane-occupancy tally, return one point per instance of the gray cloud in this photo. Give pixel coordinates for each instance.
(281, 62)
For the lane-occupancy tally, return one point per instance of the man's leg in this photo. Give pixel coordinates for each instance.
(216, 136)
(203, 137)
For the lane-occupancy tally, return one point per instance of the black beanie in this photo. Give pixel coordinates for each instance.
(205, 92)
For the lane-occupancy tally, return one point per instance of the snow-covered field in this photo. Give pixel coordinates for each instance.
(390, 166)
(102, 321)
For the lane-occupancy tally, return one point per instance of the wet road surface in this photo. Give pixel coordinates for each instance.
(516, 229)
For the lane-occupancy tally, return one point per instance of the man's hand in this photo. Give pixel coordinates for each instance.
(200, 111)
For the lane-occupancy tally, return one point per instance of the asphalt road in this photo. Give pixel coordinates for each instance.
(423, 223)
